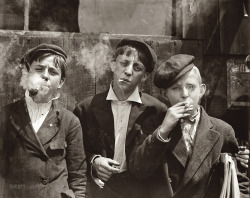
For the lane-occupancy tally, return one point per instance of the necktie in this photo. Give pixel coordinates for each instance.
(187, 129)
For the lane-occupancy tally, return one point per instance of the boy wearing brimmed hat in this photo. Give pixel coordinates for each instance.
(111, 122)
(181, 153)
(41, 146)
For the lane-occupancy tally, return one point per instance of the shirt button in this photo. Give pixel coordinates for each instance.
(44, 181)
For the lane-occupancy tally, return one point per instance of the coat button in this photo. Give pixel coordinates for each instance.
(44, 181)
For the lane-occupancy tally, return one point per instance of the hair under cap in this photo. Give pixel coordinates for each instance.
(140, 44)
(172, 69)
(28, 57)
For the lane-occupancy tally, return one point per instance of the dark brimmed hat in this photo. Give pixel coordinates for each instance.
(172, 69)
(30, 55)
(140, 44)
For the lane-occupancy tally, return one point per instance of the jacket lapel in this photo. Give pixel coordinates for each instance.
(104, 117)
(20, 120)
(204, 142)
(136, 111)
(49, 127)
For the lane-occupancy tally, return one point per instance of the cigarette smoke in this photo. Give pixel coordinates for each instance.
(96, 59)
(24, 79)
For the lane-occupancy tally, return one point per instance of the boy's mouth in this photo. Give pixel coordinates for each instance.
(123, 80)
(189, 102)
(33, 92)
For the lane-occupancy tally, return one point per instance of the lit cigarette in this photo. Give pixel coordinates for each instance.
(245, 11)
(189, 103)
(186, 105)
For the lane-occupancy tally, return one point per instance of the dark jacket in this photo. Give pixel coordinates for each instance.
(97, 121)
(49, 163)
(172, 174)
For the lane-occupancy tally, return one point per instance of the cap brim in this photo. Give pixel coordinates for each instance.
(182, 72)
(140, 44)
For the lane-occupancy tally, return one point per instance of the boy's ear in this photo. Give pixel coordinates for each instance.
(163, 93)
(112, 66)
(60, 84)
(145, 77)
(203, 90)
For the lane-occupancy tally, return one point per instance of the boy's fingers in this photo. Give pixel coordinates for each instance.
(242, 160)
(244, 165)
(245, 152)
(113, 162)
(179, 104)
(114, 169)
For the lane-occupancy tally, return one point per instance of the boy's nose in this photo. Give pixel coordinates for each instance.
(185, 92)
(45, 75)
(129, 70)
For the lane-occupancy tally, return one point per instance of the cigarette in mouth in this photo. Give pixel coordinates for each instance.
(189, 103)
(120, 80)
(33, 92)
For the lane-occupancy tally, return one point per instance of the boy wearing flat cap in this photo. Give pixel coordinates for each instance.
(182, 151)
(41, 145)
(111, 122)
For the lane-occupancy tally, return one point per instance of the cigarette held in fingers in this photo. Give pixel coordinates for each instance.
(189, 103)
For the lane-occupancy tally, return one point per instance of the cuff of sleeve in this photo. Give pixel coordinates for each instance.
(159, 137)
(98, 182)
(93, 158)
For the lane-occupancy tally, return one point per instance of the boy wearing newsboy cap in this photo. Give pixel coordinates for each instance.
(41, 146)
(111, 122)
(182, 151)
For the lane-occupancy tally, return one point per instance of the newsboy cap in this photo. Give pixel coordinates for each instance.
(172, 69)
(140, 44)
(30, 55)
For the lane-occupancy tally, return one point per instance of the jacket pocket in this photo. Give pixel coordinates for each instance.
(58, 144)
(57, 150)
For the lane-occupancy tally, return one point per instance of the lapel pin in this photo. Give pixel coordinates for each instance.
(51, 125)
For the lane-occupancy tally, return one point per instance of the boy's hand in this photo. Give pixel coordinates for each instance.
(104, 169)
(173, 115)
(243, 157)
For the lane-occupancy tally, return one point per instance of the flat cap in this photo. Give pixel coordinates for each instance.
(30, 55)
(172, 69)
(140, 44)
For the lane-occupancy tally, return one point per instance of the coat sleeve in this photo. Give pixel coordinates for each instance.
(76, 159)
(81, 112)
(148, 153)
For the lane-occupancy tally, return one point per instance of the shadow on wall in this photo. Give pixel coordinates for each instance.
(52, 15)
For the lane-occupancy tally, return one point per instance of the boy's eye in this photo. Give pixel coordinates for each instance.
(190, 87)
(123, 62)
(53, 72)
(176, 88)
(39, 69)
(138, 67)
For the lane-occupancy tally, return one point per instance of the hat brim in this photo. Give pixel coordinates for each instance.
(182, 72)
(138, 43)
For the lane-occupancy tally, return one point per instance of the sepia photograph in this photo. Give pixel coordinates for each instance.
(124, 98)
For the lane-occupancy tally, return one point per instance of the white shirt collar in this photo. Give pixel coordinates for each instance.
(134, 97)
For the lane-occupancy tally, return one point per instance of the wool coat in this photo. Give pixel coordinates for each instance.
(97, 121)
(172, 173)
(49, 163)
